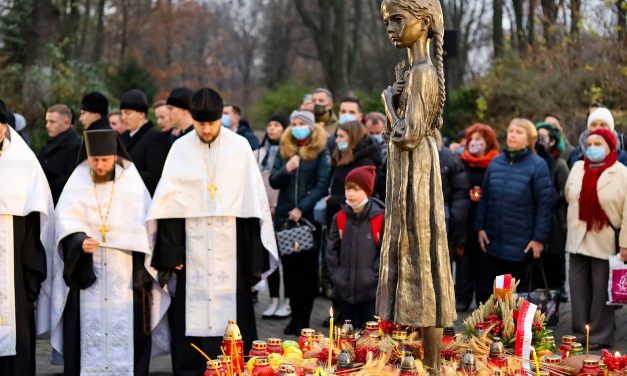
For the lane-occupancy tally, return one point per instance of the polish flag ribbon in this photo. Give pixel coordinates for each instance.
(524, 332)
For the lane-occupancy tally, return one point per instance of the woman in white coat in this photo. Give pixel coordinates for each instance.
(596, 192)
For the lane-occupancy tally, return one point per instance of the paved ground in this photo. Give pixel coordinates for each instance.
(274, 328)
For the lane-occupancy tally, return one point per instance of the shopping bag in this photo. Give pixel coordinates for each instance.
(617, 283)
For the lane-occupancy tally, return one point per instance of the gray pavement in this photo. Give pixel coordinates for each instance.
(274, 328)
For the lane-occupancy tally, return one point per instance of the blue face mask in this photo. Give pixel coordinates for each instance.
(378, 138)
(342, 146)
(346, 118)
(301, 133)
(364, 202)
(596, 153)
(226, 121)
(460, 150)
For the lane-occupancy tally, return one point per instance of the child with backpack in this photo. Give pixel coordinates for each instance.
(353, 247)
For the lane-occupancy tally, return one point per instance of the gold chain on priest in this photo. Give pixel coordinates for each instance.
(212, 188)
(104, 229)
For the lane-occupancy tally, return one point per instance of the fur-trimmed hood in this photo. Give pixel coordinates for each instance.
(308, 152)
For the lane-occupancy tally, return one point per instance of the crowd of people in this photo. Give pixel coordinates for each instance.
(519, 209)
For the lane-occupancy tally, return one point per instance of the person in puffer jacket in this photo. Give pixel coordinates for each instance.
(353, 248)
(514, 214)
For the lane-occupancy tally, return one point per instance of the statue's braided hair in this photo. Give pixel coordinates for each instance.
(436, 33)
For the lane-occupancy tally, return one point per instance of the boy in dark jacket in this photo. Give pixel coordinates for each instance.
(353, 247)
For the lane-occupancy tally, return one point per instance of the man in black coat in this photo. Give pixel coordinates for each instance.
(147, 146)
(94, 110)
(59, 155)
(232, 118)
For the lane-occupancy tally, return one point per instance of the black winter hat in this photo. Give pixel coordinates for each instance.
(206, 105)
(180, 98)
(281, 118)
(3, 112)
(135, 100)
(96, 103)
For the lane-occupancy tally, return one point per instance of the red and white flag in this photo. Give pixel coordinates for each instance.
(524, 333)
(503, 286)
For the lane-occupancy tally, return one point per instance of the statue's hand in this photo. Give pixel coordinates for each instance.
(398, 88)
(398, 130)
(388, 93)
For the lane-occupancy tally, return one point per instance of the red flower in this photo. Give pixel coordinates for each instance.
(323, 356)
(450, 355)
(387, 327)
(361, 355)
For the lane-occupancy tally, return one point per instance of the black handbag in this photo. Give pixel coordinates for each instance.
(547, 300)
(296, 237)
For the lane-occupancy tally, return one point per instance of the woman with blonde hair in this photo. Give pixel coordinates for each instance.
(514, 214)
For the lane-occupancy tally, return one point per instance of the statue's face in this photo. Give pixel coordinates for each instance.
(403, 28)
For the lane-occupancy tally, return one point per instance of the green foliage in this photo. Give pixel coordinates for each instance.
(463, 107)
(563, 80)
(14, 30)
(370, 101)
(30, 91)
(285, 97)
(131, 75)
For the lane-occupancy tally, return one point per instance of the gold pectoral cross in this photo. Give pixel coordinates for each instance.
(103, 230)
(212, 190)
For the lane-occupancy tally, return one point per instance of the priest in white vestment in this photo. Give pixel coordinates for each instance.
(25, 204)
(107, 306)
(215, 239)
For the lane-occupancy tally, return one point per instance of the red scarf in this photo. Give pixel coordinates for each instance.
(482, 162)
(590, 209)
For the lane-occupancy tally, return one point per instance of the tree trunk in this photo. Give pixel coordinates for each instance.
(99, 38)
(329, 36)
(168, 38)
(497, 27)
(72, 24)
(575, 16)
(84, 28)
(40, 32)
(549, 16)
(519, 15)
(124, 31)
(531, 22)
(621, 8)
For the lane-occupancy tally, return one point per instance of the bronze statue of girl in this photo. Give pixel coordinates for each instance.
(415, 283)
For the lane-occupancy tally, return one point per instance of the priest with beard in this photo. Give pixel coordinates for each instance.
(106, 301)
(216, 239)
(25, 204)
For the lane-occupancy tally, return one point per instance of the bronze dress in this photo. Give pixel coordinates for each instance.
(415, 283)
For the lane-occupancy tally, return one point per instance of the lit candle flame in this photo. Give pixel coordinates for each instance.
(587, 327)
(617, 354)
(331, 312)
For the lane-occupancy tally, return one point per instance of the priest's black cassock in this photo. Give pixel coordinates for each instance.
(112, 302)
(214, 219)
(25, 204)
(252, 261)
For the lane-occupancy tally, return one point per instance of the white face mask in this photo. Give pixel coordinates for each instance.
(364, 202)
